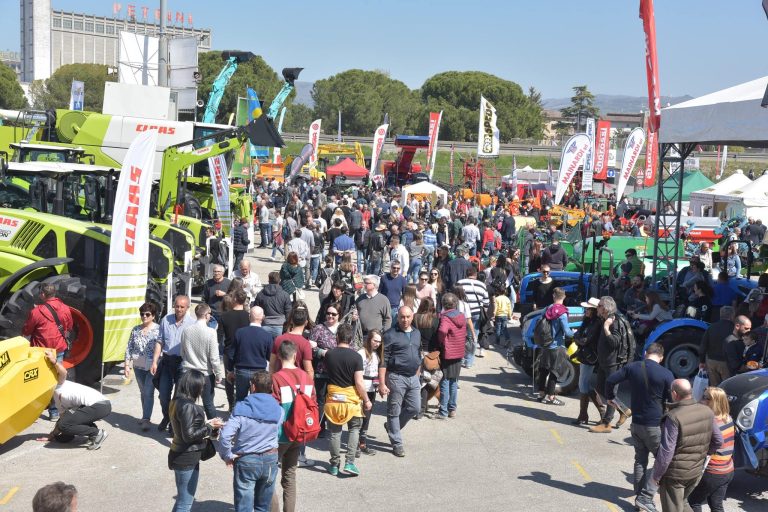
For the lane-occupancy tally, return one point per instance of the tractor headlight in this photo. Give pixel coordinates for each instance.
(747, 416)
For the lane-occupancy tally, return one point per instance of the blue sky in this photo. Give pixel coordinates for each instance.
(703, 45)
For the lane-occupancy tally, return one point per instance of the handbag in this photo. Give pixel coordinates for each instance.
(431, 360)
(700, 384)
(209, 451)
(69, 336)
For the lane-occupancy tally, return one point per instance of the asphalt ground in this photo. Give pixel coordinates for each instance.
(503, 451)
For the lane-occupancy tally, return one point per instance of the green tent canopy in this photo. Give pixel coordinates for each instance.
(693, 181)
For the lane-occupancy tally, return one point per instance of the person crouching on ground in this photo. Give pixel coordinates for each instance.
(79, 406)
(554, 357)
(249, 445)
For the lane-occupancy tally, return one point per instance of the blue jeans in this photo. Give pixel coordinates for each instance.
(242, 383)
(394, 310)
(314, 267)
(274, 330)
(469, 356)
(254, 481)
(585, 378)
(266, 233)
(146, 390)
(170, 373)
(186, 486)
(413, 270)
(276, 248)
(403, 403)
(449, 393)
(500, 325)
(374, 266)
(360, 261)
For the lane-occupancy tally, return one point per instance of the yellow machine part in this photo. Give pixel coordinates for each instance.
(481, 199)
(556, 213)
(27, 382)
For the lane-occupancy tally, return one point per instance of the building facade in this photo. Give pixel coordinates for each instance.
(51, 39)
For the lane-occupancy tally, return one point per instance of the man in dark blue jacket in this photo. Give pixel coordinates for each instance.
(250, 352)
(392, 286)
(649, 384)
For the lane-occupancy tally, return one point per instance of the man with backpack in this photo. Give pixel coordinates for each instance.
(346, 400)
(549, 335)
(615, 348)
(295, 392)
(376, 245)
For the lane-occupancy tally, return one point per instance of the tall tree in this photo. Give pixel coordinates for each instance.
(255, 73)
(363, 98)
(54, 92)
(458, 95)
(297, 118)
(11, 95)
(581, 108)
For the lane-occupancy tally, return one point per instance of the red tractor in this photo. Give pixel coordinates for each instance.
(404, 170)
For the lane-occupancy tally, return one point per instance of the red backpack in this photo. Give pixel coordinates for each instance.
(303, 423)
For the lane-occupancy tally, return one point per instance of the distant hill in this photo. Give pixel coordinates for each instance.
(615, 103)
(303, 93)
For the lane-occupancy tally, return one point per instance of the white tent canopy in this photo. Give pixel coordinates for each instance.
(424, 188)
(703, 201)
(729, 116)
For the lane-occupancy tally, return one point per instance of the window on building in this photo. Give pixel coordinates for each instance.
(66, 23)
(110, 29)
(78, 25)
(88, 26)
(99, 28)
(56, 22)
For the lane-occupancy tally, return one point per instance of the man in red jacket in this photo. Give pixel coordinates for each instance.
(451, 336)
(41, 328)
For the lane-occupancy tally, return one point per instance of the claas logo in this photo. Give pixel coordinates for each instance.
(5, 360)
(31, 374)
(7, 221)
(169, 130)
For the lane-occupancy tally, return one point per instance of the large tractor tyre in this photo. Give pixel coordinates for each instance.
(568, 383)
(192, 207)
(681, 351)
(155, 295)
(86, 300)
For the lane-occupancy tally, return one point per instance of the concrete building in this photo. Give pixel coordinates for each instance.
(51, 39)
(12, 60)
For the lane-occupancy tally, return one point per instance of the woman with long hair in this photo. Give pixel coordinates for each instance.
(346, 271)
(658, 312)
(138, 357)
(730, 261)
(423, 288)
(339, 293)
(409, 297)
(436, 281)
(701, 305)
(291, 274)
(534, 261)
(586, 338)
(323, 338)
(372, 354)
(191, 432)
(427, 322)
(718, 474)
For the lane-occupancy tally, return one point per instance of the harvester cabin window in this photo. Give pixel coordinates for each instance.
(47, 246)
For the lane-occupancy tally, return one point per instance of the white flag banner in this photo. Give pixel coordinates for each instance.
(589, 161)
(574, 152)
(129, 246)
(379, 137)
(487, 131)
(314, 139)
(723, 162)
(217, 166)
(434, 130)
(635, 143)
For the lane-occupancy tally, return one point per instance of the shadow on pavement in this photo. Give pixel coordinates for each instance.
(130, 424)
(750, 492)
(212, 506)
(537, 414)
(598, 490)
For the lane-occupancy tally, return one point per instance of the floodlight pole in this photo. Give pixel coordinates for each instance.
(162, 50)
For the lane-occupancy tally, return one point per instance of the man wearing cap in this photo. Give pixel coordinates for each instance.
(554, 255)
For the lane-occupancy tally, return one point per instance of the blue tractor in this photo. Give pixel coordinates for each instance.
(748, 397)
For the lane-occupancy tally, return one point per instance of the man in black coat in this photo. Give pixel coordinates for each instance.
(508, 227)
(240, 241)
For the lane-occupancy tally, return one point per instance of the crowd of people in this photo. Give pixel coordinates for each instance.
(410, 293)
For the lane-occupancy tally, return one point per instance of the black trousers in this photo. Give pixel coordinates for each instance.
(710, 490)
(547, 381)
(602, 377)
(80, 421)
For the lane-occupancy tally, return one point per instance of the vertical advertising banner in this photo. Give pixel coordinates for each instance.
(574, 152)
(434, 129)
(129, 246)
(379, 137)
(77, 95)
(217, 167)
(632, 150)
(487, 131)
(601, 149)
(314, 139)
(654, 94)
(589, 160)
(651, 159)
(721, 169)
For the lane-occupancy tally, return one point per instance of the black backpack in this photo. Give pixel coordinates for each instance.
(377, 242)
(543, 335)
(627, 344)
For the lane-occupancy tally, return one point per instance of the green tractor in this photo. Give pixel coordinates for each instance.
(38, 248)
